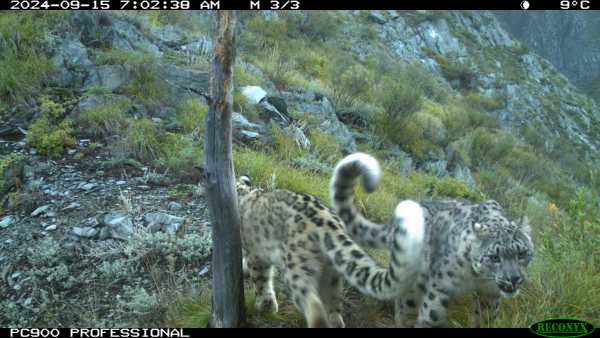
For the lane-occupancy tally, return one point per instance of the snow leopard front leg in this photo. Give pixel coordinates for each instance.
(434, 306)
(486, 308)
(407, 304)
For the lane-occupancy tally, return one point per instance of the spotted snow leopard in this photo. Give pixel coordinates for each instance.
(469, 247)
(308, 243)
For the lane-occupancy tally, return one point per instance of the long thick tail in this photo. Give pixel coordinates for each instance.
(362, 272)
(343, 181)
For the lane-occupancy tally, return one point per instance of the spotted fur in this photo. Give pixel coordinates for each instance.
(469, 247)
(308, 243)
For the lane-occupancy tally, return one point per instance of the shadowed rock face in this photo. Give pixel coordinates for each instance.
(569, 40)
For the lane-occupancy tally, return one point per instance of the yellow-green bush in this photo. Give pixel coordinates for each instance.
(50, 133)
(50, 139)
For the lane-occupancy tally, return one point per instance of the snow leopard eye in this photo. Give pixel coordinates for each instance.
(494, 258)
(522, 254)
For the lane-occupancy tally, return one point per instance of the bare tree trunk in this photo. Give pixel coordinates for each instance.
(228, 289)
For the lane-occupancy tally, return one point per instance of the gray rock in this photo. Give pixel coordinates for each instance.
(72, 206)
(50, 227)
(183, 81)
(160, 221)
(6, 221)
(89, 186)
(40, 210)
(326, 118)
(109, 77)
(85, 232)
(246, 135)
(202, 47)
(464, 174)
(254, 94)
(436, 167)
(71, 61)
(169, 35)
(173, 206)
(203, 271)
(240, 122)
(116, 225)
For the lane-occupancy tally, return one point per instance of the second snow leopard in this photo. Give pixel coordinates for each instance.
(469, 247)
(308, 243)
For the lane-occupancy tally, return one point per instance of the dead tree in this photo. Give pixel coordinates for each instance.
(228, 290)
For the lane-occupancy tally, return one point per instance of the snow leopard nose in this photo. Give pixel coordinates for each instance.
(516, 281)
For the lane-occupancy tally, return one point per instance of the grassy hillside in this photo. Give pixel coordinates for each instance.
(396, 109)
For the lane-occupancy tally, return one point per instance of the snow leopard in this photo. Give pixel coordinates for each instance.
(306, 241)
(468, 248)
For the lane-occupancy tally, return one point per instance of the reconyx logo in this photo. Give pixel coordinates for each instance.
(562, 327)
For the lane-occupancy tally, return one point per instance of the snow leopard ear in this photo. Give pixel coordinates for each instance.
(245, 180)
(492, 204)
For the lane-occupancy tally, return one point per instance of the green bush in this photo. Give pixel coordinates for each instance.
(326, 146)
(482, 102)
(455, 71)
(285, 145)
(490, 146)
(142, 141)
(280, 69)
(24, 67)
(320, 25)
(180, 156)
(191, 114)
(350, 83)
(105, 119)
(118, 56)
(146, 86)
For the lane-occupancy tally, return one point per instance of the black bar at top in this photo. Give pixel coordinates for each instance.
(301, 4)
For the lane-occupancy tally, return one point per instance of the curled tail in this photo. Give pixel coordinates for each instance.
(362, 272)
(343, 181)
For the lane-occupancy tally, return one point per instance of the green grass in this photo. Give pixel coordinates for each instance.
(24, 65)
(268, 171)
(105, 119)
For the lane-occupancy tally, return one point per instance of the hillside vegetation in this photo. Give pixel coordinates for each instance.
(448, 103)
